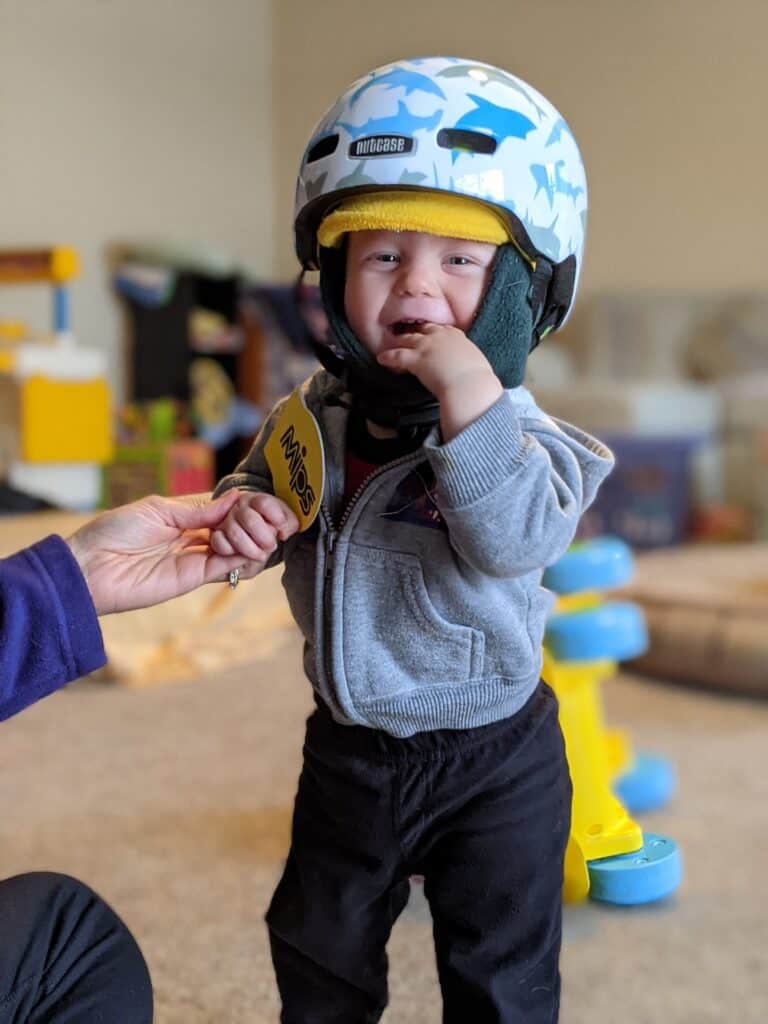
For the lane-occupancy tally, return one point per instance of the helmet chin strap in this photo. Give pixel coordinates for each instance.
(382, 410)
(503, 330)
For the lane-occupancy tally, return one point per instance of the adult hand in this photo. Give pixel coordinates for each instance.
(152, 550)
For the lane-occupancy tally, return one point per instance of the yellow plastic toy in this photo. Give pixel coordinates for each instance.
(600, 826)
(608, 856)
(55, 419)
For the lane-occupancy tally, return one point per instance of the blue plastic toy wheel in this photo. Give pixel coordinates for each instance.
(650, 873)
(648, 785)
(597, 564)
(615, 630)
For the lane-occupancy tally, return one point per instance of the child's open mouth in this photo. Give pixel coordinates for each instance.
(406, 326)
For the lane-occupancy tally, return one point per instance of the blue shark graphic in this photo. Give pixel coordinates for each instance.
(557, 130)
(330, 119)
(357, 177)
(498, 122)
(401, 123)
(315, 187)
(544, 239)
(411, 178)
(553, 183)
(491, 197)
(482, 76)
(399, 78)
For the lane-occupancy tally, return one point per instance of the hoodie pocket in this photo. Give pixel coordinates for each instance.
(393, 639)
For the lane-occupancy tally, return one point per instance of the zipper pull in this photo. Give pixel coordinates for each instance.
(329, 554)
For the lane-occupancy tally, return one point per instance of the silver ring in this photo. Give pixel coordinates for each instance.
(234, 578)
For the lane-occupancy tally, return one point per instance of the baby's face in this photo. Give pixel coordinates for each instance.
(396, 279)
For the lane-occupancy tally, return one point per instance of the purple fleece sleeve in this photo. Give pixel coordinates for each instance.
(49, 632)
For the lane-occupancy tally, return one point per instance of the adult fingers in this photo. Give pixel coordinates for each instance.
(186, 514)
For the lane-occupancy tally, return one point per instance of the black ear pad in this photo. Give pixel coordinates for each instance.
(552, 289)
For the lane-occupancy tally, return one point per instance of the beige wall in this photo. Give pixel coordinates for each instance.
(133, 119)
(667, 98)
(184, 120)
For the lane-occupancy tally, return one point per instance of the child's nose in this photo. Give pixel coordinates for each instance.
(415, 278)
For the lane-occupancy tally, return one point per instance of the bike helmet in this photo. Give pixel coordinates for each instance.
(463, 128)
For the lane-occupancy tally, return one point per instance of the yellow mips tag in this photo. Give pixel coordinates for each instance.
(296, 460)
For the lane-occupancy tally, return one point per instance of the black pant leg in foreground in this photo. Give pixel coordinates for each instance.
(343, 886)
(483, 814)
(66, 957)
(494, 882)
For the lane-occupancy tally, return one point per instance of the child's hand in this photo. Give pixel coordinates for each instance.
(252, 530)
(450, 366)
(442, 357)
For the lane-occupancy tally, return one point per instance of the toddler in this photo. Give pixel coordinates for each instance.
(444, 203)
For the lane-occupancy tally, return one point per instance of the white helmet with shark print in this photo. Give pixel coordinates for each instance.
(458, 126)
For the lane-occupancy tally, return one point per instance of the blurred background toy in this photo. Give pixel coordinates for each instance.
(55, 418)
(156, 453)
(608, 856)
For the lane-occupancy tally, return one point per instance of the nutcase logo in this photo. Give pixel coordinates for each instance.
(381, 145)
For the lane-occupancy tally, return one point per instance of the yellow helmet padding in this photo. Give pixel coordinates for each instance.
(431, 213)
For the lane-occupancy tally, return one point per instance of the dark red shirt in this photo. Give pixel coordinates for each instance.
(365, 453)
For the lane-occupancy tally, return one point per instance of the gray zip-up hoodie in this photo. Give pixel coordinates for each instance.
(421, 603)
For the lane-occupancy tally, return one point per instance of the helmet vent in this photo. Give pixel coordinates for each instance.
(324, 147)
(471, 142)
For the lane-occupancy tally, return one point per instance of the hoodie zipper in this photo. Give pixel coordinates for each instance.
(332, 535)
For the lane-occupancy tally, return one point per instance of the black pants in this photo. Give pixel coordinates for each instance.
(482, 814)
(66, 958)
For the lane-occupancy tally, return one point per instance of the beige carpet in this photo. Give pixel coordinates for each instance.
(173, 801)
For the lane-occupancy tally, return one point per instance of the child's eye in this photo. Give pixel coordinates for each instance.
(459, 261)
(385, 257)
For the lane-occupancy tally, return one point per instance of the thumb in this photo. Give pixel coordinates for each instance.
(196, 517)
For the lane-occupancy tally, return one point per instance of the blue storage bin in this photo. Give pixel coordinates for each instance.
(646, 501)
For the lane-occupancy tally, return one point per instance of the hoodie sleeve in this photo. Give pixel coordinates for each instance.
(253, 473)
(513, 485)
(49, 632)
